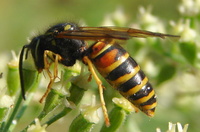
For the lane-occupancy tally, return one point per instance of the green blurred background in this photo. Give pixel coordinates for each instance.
(19, 18)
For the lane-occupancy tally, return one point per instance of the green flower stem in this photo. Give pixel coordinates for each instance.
(9, 125)
(80, 124)
(21, 110)
(64, 112)
(76, 96)
(24, 106)
(117, 117)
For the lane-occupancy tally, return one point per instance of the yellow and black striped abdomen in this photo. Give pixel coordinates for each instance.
(124, 74)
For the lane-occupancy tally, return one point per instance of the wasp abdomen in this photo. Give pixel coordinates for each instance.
(124, 74)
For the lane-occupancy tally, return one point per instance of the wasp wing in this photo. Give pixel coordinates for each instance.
(97, 33)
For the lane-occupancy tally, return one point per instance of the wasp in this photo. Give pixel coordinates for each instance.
(66, 43)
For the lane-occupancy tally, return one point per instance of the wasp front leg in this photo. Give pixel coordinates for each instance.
(100, 87)
(47, 65)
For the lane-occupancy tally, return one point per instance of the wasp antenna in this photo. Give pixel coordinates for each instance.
(21, 71)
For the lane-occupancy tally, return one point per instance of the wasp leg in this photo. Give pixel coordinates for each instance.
(90, 78)
(52, 77)
(100, 87)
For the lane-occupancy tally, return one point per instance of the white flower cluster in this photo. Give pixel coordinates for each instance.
(5, 100)
(184, 30)
(148, 21)
(116, 18)
(89, 111)
(189, 7)
(172, 127)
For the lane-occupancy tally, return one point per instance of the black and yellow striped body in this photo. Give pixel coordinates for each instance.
(124, 74)
(66, 42)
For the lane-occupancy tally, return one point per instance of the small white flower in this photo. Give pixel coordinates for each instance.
(148, 21)
(89, 111)
(172, 128)
(189, 7)
(108, 21)
(82, 80)
(5, 100)
(15, 61)
(182, 129)
(183, 29)
(146, 16)
(118, 18)
(37, 127)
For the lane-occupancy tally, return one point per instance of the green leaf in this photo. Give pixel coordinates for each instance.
(189, 51)
(166, 73)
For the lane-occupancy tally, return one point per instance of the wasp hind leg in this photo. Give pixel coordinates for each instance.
(100, 87)
(53, 76)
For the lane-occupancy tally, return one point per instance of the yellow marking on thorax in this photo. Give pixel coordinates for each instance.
(124, 78)
(67, 27)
